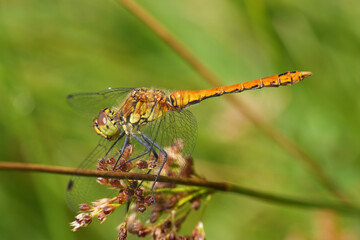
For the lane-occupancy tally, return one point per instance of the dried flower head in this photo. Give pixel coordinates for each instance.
(160, 213)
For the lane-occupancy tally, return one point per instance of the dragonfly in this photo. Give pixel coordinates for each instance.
(150, 118)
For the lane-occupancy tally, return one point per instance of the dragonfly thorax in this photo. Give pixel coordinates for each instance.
(139, 108)
(143, 106)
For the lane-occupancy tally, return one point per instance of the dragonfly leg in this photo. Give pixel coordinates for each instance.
(126, 141)
(146, 145)
(149, 148)
(112, 146)
(153, 143)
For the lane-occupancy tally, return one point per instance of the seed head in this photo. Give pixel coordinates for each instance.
(114, 183)
(149, 200)
(198, 233)
(196, 204)
(133, 184)
(139, 192)
(122, 232)
(141, 164)
(108, 209)
(84, 207)
(141, 208)
(102, 181)
(81, 220)
(101, 217)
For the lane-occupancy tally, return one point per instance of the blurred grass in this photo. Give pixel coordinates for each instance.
(49, 49)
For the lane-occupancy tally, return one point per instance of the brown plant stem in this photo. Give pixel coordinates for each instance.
(275, 134)
(220, 186)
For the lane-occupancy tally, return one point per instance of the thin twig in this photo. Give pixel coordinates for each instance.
(272, 132)
(220, 186)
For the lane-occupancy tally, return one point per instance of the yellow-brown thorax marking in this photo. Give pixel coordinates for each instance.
(143, 106)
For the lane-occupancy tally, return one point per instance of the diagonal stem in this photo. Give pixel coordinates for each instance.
(219, 186)
(285, 142)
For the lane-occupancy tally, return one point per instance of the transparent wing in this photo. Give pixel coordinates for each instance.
(174, 126)
(92, 103)
(87, 189)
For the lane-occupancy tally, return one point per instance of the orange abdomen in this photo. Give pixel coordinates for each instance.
(181, 99)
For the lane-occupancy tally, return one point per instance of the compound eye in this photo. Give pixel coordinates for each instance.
(102, 118)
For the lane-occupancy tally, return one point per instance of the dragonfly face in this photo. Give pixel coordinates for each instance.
(106, 125)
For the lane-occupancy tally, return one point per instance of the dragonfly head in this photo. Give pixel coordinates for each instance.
(105, 124)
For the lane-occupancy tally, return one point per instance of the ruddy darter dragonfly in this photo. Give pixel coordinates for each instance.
(153, 119)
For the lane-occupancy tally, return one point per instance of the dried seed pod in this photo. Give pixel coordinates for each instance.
(198, 233)
(80, 217)
(128, 151)
(87, 219)
(171, 236)
(152, 164)
(167, 224)
(101, 202)
(102, 181)
(141, 208)
(135, 227)
(111, 161)
(108, 209)
(101, 217)
(143, 232)
(122, 232)
(115, 183)
(157, 233)
(196, 204)
(123, 184)
(133, 184)
(122, 166)
(154, 216)
(121, 198)
(129, 166)
(149, 200)
(139, 192)
(129, 193)
(140, 199)
(170, 203)
(102, 164)
(141, 164)
(81, 220)
(84, 207)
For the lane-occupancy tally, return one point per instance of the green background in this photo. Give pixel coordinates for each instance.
(49, 49)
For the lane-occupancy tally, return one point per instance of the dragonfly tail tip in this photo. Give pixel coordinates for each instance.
(306, 74)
